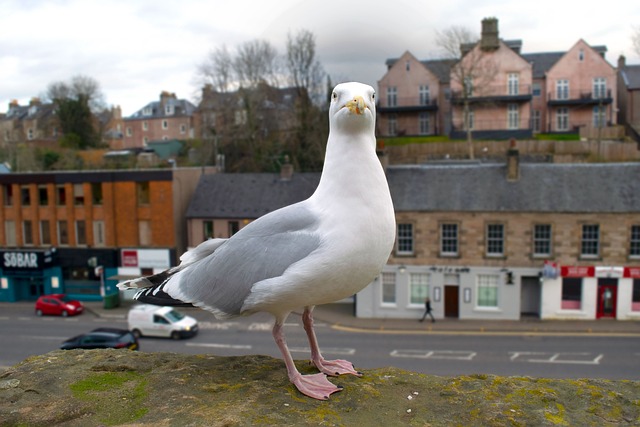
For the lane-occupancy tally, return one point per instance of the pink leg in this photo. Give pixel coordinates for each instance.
(329, 367)
(317, 385)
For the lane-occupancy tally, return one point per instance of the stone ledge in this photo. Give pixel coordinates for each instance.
(115, 387)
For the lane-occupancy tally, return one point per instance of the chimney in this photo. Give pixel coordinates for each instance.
(286, 170)
(513, 162)
(489, 40)
(622, 62)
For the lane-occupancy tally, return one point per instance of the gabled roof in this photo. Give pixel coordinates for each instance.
(182, 107)
(248, 195)
(631, 76)
(542, 187)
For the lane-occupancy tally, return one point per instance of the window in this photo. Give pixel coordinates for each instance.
(147, 111)
(423, 121)
(635, 297)
(169, 109)
(78, 194)
(25, 196)
(142, 192)
(599, 87)
(513, 84)
(513, 116)
(581, 55)
(98, 233)
(234, 227)
(393, 124)
(43, 196)
(129, 131)
(10, 233)
(562, 89)
(634, 241)
(63, 233)
(145, 125)
(449, 239)
(165, 124)
(81, 232)
(96, 193)
(571, 293)
(30, 134)
(405, 239)
(207, 229)
(183, 129)
(392, 96)
(144, 232)
(27, 232)
(590, 247)
(487, 290)
(61, 195)
(562, 119)
(536, 89)
(424, 95)
(537, 124)
(388, 288)
(419, 288)
(7, 194)
(45, 232)
(408, 65)
(598, 119)
(495, 240)
(542, 240)
(240, 117)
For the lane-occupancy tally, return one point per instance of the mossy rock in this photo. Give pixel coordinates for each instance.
(115, 387)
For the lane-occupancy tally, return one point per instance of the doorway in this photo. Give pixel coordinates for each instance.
(607, 298)
(451, 301)
(530, 296)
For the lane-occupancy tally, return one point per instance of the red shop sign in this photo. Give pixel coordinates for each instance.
(577, 271)
(632, 272)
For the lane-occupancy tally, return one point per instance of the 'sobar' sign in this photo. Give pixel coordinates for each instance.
(22, 260)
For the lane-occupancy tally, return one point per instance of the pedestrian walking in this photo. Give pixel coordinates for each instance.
(427, 310)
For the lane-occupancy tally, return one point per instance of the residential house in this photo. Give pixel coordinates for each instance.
(35, 124)
(111, 127)
(629, 97)
(503, 241)
(497, 92)
(168, 118)
(56, 227)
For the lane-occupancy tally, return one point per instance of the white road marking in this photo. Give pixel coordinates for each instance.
(325, 350)
(215, 345)
(547, 357)
(435, 354)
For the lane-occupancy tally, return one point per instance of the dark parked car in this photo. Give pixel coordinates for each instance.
(103, 338)
(58, 305)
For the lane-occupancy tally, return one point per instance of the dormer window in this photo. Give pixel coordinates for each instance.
(146, 111)
(32, 110)
(169, 109)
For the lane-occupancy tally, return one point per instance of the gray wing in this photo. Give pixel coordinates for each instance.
(262, 250)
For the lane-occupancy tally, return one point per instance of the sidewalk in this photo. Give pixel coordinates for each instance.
(341, 316)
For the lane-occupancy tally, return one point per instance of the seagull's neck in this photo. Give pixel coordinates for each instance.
(352, 172)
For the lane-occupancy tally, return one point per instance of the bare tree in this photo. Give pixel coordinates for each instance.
(217, 69)
(635, 37)
(257, 61)
(79, 87)
(305, 71)
(473, 72)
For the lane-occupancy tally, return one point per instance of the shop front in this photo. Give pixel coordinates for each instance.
(27, 274)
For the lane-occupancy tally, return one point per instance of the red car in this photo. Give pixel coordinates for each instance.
(58, 305)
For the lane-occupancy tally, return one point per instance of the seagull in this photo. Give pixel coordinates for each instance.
(321, 250)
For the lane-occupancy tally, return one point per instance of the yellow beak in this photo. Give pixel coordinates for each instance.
(356, 105)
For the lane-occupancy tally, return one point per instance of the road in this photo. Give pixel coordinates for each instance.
(23, 334)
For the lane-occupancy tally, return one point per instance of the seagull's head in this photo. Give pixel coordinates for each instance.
(353, 107)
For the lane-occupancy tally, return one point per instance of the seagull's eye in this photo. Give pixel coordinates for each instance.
(373, 96)
(334, 95)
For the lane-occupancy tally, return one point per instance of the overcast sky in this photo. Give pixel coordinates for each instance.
(136, 49)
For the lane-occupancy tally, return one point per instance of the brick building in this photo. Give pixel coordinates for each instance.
(128, 222)
(496, 241)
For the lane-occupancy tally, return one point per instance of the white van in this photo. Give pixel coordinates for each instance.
(152, 320)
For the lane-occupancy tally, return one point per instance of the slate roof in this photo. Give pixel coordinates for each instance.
(631, 76)
(542, 187)
(542, 62)
(182, 107)
(248, 195)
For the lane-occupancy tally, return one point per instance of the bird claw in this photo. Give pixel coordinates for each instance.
(336, 367)
(316, 386)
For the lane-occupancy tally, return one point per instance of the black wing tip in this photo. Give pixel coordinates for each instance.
(156, 296)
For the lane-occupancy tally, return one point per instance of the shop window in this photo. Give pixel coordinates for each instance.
(487, 290)
(635, 299)
(419, 288)
(404, 245)
(388, 288)
(571, 293)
